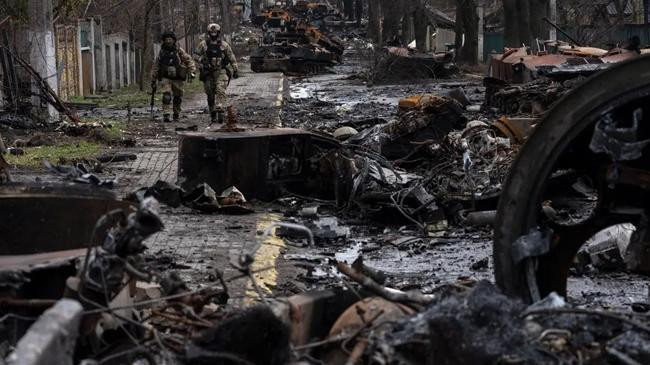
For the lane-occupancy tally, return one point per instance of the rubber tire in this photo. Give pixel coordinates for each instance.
(529, 172)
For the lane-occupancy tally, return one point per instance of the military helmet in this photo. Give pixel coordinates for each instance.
(214, 28)
(169, 34)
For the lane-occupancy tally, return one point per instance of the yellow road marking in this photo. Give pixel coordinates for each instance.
(265, 257)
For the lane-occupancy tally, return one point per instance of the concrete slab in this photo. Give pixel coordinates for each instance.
(51, 339)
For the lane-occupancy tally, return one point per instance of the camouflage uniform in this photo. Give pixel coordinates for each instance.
(218, 64)
(171, 68)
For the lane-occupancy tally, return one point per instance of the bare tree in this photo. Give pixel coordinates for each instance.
(591, 22)
(146, 42)
(255, 7)
(524, 21)
(374, 21)
(392, 11)
(466, 31)
(225, 16)
(420, 23)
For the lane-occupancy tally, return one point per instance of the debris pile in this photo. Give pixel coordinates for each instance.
(410, 174)
(127, 304)
(532, 98)
(393, 64)
(481, 325)
(202, 198)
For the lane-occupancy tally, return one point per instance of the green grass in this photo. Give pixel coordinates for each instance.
(122, 98)
(131, 95)
(115, 132)
(34, 156)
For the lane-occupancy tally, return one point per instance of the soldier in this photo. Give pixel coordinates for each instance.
(171, 68)
(218, 64)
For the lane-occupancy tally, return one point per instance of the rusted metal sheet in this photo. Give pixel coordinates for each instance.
(51, 217)
(259, 163)
(517, 129)
(505, 66)
(502, 67)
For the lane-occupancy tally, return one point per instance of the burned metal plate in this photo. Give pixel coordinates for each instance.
(38, 218)
(258, 162)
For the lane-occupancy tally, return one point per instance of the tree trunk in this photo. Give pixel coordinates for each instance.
(255, 8)
(407, 29)
(146, 44)
(511, 23)
(226, 25)
(539, 9)
(525, 34)
(467, 25)
(523, 22)
(349, 9)
(206, 20)
(374, 21)
(420, 23)
(392, 12)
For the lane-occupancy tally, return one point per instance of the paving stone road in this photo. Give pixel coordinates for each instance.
(196, 244)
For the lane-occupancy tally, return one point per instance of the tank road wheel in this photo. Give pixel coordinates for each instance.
(589, 161)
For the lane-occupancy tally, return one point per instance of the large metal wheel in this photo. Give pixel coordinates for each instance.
(588, 162)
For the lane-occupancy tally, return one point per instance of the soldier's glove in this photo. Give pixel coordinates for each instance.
(235, 74)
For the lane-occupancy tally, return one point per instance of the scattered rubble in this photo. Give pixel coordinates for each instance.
(202, 198)
(398, 64)
(416, 171)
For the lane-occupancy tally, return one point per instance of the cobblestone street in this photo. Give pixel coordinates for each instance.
(196, 244)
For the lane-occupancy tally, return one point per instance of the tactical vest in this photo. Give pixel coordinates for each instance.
(215, 54)
(169, 63)
(214, 50)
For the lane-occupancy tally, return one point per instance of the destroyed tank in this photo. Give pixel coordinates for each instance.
(306, 59)
(293, 45)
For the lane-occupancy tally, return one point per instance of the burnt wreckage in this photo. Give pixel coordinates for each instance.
(584, 169)
(589, 161)
(293, 44)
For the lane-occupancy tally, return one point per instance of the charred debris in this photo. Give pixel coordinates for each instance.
(86, 288)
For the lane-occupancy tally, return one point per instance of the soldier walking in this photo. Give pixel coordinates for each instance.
(172, 68)
(218, 65)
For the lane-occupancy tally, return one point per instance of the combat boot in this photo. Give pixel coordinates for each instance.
(221, 117)
(176, 117)
(166, 118)
(213, 117)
